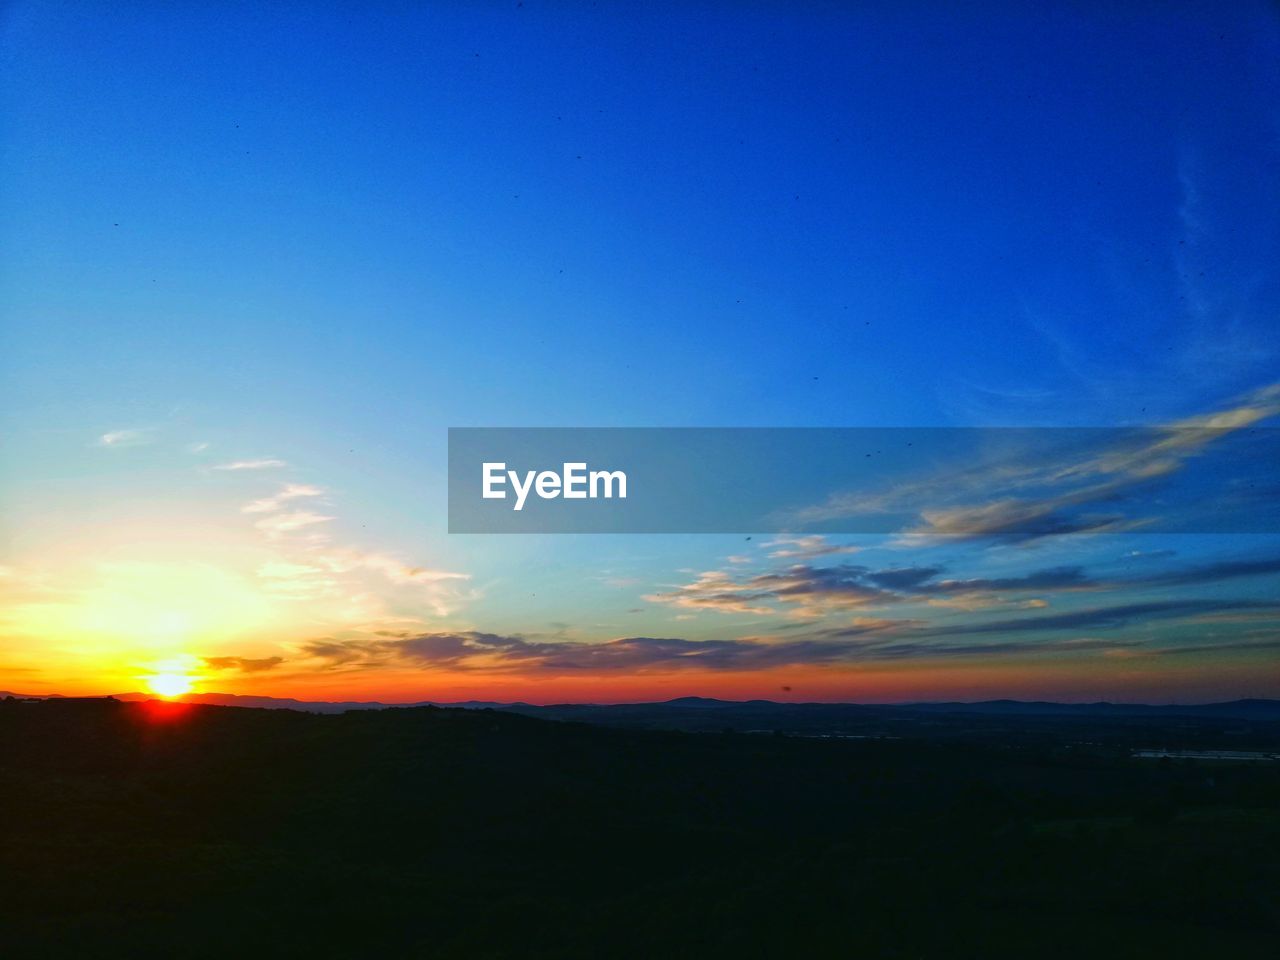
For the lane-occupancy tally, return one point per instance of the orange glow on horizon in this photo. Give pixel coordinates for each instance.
(164, 711)
(926, 681)
(170, 685)
(1080, 679)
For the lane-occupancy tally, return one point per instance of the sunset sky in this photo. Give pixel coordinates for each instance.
(257, 262)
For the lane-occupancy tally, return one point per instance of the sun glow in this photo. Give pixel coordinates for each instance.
(170, 684)
(158, 605)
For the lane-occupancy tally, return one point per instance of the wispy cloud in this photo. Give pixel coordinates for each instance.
(1072, 488)
(310, 566)
(242, 664)
(118, 439)
(1226, 314)
(252, 465)
(343, 560)
(865, 641)
(807, 591)
(1103, 617)
(296, 581)
(278, 524)
(290, 491)
(716, 590)
(805, 548)
(496, 653)
(1209, 295)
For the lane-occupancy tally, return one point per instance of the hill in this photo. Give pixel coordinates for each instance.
(148, 829)
(694, 712)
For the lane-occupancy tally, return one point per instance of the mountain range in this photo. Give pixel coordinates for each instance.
(709, 713)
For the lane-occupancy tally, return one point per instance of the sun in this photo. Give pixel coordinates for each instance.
(169, 684)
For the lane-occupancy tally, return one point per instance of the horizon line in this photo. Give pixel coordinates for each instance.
(139, 696)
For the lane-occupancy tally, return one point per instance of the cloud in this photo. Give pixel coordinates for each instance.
(1207, 573)
(118, 439)
(290, 491)
(309, 566)
(715, 590)
(318, 570)
(862, 641)
(1210, 297)
(1228, 329)
(1019, 520)
(242, 664)
(498, 653)
(1052, 578)
(1081, 482)
(278, 524)
(805, 548)
(1026, 625)
(1235, 646)
(1103, 617)
(252, 465)
(296, 581)
(808, 591)
(1150, 554)
(344, 560)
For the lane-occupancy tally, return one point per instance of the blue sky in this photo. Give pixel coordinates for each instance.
(253, 232)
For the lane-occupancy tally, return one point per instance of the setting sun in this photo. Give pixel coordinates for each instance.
(170, 684)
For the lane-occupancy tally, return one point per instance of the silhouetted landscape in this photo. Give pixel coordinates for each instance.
(153, 828)
(401, 403)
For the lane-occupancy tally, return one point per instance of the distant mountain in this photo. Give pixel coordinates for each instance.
(852, 719)
(710, 713)
(311, 706)
(262, 703)
(1254, 709)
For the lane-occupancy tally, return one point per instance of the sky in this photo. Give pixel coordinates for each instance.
(259, 258)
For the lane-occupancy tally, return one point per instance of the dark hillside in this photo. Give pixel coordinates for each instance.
(136, 829)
